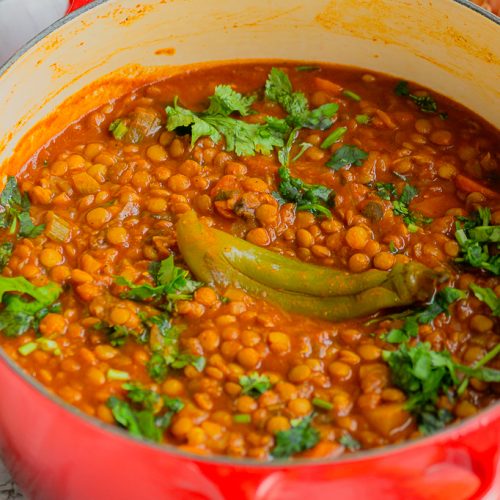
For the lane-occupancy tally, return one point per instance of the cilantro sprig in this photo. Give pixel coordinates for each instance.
(19, 314)
(300, 437)
(15, 214)
(171, 282)
(144, 413)
(215, 122)
(424, 374)
(5, 253)
(476, 235)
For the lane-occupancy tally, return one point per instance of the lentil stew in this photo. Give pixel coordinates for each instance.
(156, 255)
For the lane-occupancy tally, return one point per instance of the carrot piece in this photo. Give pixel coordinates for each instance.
(471, 186)
(386, 119)
(328, 86)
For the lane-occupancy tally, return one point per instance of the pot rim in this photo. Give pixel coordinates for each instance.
(483, 418)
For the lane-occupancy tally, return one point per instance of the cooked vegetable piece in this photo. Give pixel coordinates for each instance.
(217, 257)
(16, 211)
(334, 137)
(58, 229)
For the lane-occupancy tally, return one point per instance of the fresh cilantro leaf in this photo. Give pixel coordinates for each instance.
(385, 191)
(432, 419)
(313, 198)
(19, 314)
(171, 282)
(488, 296)
(424, 374)
(185, 359)
(349, 442)
(157, 367)
(347, 155)
(279, 89)
(245, 139)
(254, 384)
(147, 415)
(440, 303)
(475, 235)
(284, 152)
(16, 211)
(119, 129)
(5, 253)
(300, 437)
(413, 220)
(226, 101)
(426, 103)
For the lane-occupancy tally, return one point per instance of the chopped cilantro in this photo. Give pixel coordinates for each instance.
(16, 211)
(254, 384)
(5, 253)
(425, 103)
(488, 296)
(313, 198)
(475, 235)
(119, 129)
(413, 220)
(171, 282)
(424, 374)
(300, 437)
(440, 303)
(349, 442)
(242, 418)
(146, 414)
(279, 89)
(19, 314)
(362, 119)
(347, 155)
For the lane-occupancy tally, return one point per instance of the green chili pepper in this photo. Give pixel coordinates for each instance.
(217, 257)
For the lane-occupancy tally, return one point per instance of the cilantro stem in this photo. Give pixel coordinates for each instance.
(352, 95)
(321, 403)
(483, 361)
(334, 137)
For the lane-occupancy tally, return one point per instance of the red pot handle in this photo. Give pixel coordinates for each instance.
(76, 4)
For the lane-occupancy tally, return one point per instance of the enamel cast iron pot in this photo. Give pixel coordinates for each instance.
(56, 452)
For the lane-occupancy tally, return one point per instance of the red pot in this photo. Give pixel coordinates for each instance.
(56, 452)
